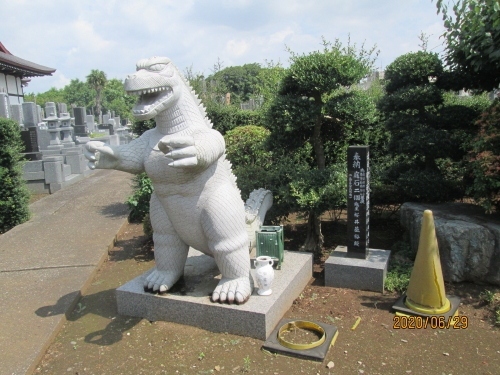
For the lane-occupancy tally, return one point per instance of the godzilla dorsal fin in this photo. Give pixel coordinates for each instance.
(195, 97)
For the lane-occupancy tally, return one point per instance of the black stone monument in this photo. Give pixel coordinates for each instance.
(358, 201)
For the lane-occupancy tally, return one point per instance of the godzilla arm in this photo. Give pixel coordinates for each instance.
(198, 150)
(210, 146)
(128, 158)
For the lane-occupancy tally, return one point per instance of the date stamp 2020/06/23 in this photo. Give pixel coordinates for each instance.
(433, 322)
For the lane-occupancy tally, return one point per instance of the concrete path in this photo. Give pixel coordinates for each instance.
(47, 262)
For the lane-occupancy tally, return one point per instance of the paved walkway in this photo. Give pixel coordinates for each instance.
(47, 262)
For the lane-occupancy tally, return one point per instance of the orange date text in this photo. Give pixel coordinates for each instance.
(433, 322)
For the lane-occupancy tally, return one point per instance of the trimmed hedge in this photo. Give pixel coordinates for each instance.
(14, 196)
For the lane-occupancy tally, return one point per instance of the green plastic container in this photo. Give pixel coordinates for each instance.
(270, 242)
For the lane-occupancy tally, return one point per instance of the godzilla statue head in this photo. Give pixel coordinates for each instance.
(158, 84)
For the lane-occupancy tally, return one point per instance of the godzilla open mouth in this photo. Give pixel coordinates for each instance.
(149, 99)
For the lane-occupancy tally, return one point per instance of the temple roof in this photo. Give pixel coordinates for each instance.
(15, 65)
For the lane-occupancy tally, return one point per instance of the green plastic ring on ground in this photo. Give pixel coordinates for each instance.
(304, 325)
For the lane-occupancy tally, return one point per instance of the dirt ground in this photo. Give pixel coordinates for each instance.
(96, 340)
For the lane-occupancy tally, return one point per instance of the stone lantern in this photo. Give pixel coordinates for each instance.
(66, 129)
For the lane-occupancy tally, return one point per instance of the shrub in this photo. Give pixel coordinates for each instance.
(245, 149)
(485, 160)
(138, 202)
(245, 145)
(412, 69)
(227, 117)
(430, 131)
(139, 127)
(14, 196)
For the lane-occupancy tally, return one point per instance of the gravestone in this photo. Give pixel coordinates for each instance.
(29, 114)
(111, 126)
(62, 107)
(80, 121)
(105, 118)
(90, 123)
(80, 115)
(5, 105)
(40, 113)
(117, 122)
(358, 201)
(29, 138)
(356, 266)
(50, 109)
(17, 113)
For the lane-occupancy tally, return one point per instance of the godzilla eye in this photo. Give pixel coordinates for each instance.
(157, 67)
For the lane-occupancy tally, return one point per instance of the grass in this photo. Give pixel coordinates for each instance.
(246, 364)
(487, 296)
(398, 277)
(97, 135)
(400, 267)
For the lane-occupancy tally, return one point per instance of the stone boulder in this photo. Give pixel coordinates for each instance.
(468, 239)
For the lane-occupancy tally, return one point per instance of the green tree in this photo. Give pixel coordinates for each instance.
(240, 81)
(52, 95)
(97, 80)
(78, 94)
(268, 84)
(115, 98)
(311, 123)
(430, 131)
(473, 41)
(14, 196)
(485, 160)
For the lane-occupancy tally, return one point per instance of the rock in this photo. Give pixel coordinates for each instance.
(468, 239)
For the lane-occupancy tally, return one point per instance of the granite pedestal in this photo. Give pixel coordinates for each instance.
(189, 300)
(360, 274)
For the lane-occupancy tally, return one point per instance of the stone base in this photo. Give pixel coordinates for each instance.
(359, 274)
(189, 300)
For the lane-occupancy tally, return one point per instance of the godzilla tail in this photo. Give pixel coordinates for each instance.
(256, 207)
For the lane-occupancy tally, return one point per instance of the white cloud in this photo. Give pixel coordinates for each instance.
(280, 36)
(86, 36)
(77, 36)
(73, 51)
(60, 80)
(237, 48)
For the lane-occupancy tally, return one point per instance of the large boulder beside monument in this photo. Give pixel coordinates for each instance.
(468, 239)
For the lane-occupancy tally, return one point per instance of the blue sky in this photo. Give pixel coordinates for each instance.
(111, 35)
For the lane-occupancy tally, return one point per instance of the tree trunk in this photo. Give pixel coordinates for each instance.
(319, 151)
(314, 240)
(98, 102)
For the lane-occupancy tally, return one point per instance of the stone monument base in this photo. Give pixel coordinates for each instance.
(189, 300)
(360, 274)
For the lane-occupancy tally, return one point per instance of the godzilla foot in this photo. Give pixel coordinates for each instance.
(161, 281)
(232, 290)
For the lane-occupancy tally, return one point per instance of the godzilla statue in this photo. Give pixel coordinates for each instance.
(195, 201)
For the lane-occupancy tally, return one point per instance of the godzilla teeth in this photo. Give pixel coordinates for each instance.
(149, 91)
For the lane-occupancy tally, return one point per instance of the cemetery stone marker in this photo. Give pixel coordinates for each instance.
(358, 201)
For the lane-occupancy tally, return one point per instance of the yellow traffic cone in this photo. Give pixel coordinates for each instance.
(426, 293)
